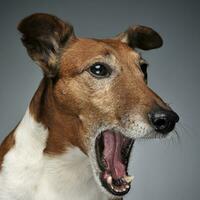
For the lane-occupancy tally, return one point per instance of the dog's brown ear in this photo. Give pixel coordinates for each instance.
(43, 36)
(141, 37)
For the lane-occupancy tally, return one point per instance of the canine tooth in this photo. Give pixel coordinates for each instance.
(127, 186)
(109, 180)
(128, 179)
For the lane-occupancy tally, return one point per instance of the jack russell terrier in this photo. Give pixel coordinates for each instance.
(75, 140)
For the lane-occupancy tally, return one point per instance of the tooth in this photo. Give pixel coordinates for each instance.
(109, 180)
(124, 189)
(128, 179)
(127, 186)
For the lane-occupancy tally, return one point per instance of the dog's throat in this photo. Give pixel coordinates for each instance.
(112, 154)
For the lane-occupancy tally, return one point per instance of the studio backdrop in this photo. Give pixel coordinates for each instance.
(165, 169)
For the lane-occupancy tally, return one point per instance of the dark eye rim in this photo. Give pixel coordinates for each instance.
(143, 66)
(108, 68)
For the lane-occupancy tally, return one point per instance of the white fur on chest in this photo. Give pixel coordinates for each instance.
(28, 174)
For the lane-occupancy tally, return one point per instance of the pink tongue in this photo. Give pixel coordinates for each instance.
(112, 154)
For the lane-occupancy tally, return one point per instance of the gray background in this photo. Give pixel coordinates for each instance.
(164, 170)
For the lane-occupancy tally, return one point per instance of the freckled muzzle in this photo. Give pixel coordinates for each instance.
(113, 151)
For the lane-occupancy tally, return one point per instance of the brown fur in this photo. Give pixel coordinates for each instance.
(43, 36)
(68, 99)
(141, 37)
(75, 100)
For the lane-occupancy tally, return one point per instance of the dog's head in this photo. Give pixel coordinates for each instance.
(103, 85)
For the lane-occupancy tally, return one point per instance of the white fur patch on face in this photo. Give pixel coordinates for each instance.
(136, 127)
(29, 174)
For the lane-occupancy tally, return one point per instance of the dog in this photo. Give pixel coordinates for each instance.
(76, 137)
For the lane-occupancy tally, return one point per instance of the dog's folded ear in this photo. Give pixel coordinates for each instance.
(44, 36)
(141, 37)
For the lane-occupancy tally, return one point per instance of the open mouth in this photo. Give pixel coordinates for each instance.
(113, 152)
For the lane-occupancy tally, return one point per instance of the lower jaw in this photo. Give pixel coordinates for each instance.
(116, 190)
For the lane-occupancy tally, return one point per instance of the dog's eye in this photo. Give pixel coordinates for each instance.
(100, 70)
(143, 66)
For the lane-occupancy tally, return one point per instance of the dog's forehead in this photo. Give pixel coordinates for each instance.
(82, 51)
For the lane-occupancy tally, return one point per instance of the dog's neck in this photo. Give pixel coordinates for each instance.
(63, 126)
(63, 176)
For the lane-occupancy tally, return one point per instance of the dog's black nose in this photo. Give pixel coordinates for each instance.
(163, 120)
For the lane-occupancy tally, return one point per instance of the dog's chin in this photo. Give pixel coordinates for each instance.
(110, 162)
